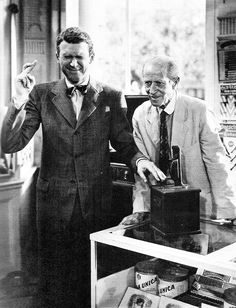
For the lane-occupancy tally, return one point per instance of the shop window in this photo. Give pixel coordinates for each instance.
(127, 32)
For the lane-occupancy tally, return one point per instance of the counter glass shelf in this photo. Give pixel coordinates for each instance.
(214, 249)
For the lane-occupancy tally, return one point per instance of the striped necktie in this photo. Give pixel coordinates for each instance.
(164, 145)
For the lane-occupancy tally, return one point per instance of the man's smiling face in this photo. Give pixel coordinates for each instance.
(158, 87)
(74, 60)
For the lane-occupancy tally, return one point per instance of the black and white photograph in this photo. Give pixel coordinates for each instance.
(135, 298)
(117, 149)
(166, 302)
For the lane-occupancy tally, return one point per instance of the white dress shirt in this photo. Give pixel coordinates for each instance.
(76, 98)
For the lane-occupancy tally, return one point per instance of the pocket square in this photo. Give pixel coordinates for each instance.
(107, 109)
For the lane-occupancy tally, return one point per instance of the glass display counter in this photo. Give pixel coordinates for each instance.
(214, 250)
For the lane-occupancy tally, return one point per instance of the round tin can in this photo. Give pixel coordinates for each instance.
(230, 298)
(146, 276)
(173, 281)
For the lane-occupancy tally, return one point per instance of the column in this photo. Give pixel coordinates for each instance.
(212, 88)
(10, 252)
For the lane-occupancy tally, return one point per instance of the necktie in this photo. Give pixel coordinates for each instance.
(81, 89)
(164, 145)
(76, 95)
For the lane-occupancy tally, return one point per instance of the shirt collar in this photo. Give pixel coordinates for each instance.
(70, 85)
(170, 106)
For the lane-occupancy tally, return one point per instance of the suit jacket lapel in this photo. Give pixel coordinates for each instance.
(152, 123)
(179, 127)
(90, 102)
(63, 103)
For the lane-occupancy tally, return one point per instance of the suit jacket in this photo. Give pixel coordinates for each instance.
(75, 154)
(204, 163)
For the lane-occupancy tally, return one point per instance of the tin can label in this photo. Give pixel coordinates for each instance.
(146, 282)
(172, 288)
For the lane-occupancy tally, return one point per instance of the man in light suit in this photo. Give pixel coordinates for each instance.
(74, 183)
(192, 126)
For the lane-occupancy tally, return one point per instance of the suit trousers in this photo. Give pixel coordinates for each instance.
(64, 265)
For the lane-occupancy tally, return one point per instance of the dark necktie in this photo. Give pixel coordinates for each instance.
(164, 145)
(82, 89)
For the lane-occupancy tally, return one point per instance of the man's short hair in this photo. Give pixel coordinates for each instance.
(166, 65)
(75, 35)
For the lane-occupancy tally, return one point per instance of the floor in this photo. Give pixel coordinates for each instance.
(17, 291)
(21, 302)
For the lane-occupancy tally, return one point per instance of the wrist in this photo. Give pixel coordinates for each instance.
(19, 101)
(139, 159)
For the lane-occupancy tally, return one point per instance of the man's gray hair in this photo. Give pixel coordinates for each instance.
(166, 65)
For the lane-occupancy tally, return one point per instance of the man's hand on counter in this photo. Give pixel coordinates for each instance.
(135, 218)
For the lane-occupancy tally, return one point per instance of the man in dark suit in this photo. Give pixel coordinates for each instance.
(74, 184)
